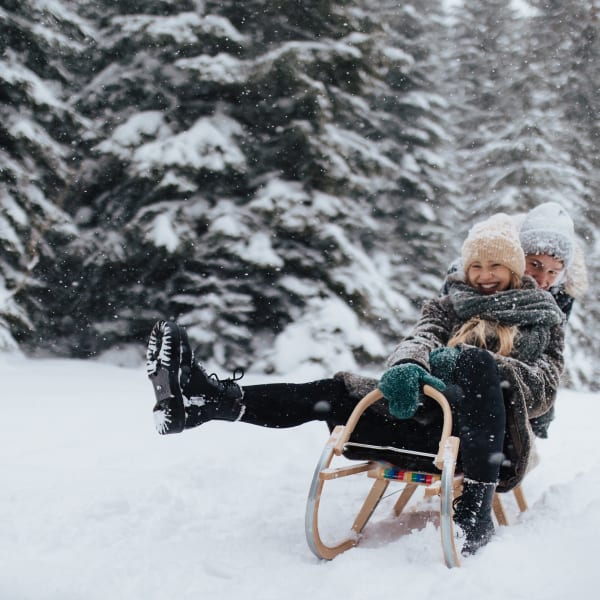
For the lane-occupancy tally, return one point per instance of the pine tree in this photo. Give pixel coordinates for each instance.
(483, 81)
(246, 160)
(564, 50)
(40, 48)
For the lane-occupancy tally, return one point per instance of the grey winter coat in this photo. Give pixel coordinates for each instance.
(532, 370)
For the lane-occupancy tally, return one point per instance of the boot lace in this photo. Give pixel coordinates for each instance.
(237, 374)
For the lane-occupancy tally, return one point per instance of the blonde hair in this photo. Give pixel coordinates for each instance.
(479, 332)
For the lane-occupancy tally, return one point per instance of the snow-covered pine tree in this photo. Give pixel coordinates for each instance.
(415, 116)
(254, 167)
(563, 51)
(510, 129)
(488, 112)
(40, 48)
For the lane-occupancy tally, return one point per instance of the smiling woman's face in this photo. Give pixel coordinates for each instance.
(488, 277)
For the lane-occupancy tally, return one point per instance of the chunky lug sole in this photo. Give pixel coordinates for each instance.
(168, 359)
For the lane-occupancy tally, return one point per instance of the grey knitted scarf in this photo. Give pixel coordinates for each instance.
(533, 310)
(525, 306)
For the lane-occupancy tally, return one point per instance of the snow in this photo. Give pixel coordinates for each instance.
(209, 144)
(227, 224)
(524, 8)
(354, 147)
(9, 307)
(325, 334)
(163, 233)
(285, 202)
(147, 123)
(184, 28)
(41, 92)
(54, 213)
(96, 505)
(363, 274)
(222, 68)
(259, 251)
(36, 134)
(62, 13)
(398, 55)
(8, 235)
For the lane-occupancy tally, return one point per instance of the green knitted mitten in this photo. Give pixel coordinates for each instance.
(401, 385)
(443, 361)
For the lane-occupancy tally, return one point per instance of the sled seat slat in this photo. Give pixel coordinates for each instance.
(329, 473)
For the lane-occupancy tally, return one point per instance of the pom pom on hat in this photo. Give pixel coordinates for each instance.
(496, 239)
(548, 229)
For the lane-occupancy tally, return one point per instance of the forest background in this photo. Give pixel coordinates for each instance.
(260, 170)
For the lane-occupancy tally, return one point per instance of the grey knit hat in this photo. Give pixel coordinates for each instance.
(548, 229)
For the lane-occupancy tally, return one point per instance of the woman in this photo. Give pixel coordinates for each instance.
(494, 344)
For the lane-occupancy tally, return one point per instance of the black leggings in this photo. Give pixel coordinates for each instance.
(475, 397)
(479, 414)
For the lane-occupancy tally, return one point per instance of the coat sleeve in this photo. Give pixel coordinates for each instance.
(430, 332)
(536, 383)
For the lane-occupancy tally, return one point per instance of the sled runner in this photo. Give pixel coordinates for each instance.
(435, 472)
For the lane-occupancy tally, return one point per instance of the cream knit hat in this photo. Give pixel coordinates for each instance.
(495, 239)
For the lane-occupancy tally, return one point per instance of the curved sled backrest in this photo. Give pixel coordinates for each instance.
(376, 395)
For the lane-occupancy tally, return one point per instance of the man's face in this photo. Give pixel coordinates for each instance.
(545, 269)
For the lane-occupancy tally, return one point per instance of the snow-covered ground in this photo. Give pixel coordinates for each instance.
(96, 506)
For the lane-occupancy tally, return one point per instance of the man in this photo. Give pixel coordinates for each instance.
(552, 255)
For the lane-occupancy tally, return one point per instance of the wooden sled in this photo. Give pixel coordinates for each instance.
(439, 479)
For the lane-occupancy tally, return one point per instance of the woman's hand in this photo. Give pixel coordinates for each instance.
(401, 385)
(442, 361)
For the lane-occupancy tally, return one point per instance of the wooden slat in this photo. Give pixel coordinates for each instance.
(328, 474)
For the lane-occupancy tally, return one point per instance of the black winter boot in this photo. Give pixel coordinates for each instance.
(473, 513)
(207, 397)
(168, 364)
(185, 395)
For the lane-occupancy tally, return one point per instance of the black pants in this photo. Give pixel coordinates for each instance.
(475, 397)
